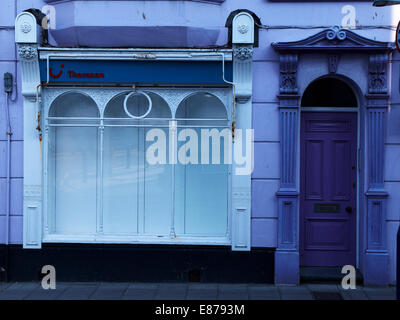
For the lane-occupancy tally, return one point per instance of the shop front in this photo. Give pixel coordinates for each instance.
(143, 151)
(203, 157)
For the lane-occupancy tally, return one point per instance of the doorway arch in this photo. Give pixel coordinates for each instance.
(329, 92)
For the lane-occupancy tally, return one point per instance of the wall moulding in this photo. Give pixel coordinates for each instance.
(335, 40)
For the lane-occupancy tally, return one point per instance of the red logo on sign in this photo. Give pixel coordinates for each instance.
(73, 74)
(56, 76)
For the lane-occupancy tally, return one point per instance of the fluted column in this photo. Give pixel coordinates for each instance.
(376, 257)
(287, 252)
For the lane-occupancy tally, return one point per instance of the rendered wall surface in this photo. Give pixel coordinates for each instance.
(103, 18)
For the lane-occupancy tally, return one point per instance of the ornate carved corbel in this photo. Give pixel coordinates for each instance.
(243, 56)
(377, 73)
(27, 51)
(243, 53)
(288, 74)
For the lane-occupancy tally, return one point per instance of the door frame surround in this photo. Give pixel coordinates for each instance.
(331, 43)
(360, 142)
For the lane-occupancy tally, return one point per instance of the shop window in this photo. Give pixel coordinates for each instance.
(136, 195)
(73, 164)
(202, 186)
(101, 186)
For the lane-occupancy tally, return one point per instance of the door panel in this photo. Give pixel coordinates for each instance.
(314, 167)
(342, 179)
(328, 189)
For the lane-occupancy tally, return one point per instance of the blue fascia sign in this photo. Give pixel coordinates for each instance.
(108, 71)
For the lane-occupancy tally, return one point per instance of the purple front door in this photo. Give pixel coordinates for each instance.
(328, 188)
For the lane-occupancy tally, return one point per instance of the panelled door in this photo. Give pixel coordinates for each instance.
(328, 188)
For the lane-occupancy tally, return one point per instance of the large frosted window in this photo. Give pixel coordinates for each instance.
(73, 166)
(202, 187)
(136, 195)
(101, 184)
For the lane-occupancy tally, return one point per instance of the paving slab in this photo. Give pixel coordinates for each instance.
(233, 286)
(4, 285)
(233, 292)
(353, 294)
(379, 293)
(170, 296)
(295, 293)
(139, 294)
(109, 291)
(202, 291)
(263, 292)
(48, 294)
(141, 291)
(233, 296)
(202, 294)
(171, 291)
(203, 286)
(322, 287)
(257, 288)
(140, 285)
(18, 290)
(79, 292)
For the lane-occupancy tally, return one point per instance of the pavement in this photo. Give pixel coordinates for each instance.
(189, 291)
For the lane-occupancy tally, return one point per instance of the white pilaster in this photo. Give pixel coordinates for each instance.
(27, 37)
(242, 40)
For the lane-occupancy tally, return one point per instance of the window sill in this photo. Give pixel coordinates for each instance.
(135, 239)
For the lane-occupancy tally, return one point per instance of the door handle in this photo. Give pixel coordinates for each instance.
(349, 209)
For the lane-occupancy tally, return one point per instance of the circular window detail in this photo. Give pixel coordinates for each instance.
(138, 98)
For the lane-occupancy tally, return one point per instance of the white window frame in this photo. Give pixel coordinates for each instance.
(101, 96)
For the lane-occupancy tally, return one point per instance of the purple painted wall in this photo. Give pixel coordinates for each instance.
(8, 63)
(98, 17)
